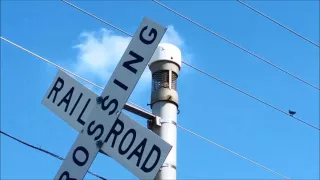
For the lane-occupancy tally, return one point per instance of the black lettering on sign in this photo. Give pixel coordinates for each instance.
(83, 110)
(114, 131)
(120, 84)
(86, 153)
(138, 153)
(66, 174)
(131, 131)
(152, 33)
(137, 59)
(75, 105)
(113, 101)
(153, 149)
(98, 127)
(56, 88)
(66, 99)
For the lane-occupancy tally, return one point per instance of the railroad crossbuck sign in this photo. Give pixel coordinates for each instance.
(104, 125)
(132, 145)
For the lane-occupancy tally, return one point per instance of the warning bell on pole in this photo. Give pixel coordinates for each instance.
(165, 65)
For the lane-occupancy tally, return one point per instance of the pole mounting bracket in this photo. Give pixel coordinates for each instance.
(167, 165)
(157, 121)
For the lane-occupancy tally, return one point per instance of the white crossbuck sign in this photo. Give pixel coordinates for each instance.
(103, 124)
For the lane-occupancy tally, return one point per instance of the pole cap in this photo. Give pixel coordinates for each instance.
(167, 52)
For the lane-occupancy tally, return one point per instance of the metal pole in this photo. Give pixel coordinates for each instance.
(165, 66)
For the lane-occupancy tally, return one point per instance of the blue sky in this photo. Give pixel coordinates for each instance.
(72, 39)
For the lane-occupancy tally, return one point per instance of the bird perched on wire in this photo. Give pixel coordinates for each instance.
(292, 113)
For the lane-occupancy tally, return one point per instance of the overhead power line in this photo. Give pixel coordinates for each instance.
(185, 129)
(237, 154)
(236, 45)
(45, 151)
(278, 23)
(251, 96)
(199, 70)
(105, 22)
(49, 62)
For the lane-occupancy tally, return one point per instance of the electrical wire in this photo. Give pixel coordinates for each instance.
(49, 62)
(199, 70)
(251, 96)
(45, 151)
(185, 129)
(237, 154)
(278, 23)
(105, 22)
(236, 45)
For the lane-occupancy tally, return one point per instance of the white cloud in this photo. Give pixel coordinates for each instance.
(100, 51)
(173, 37)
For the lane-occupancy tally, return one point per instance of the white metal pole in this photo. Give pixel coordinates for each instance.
(168, 132)
(165, 66)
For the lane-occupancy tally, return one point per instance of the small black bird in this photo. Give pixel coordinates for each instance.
(292, 113)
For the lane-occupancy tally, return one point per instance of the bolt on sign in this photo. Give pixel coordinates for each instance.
(105, 124)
